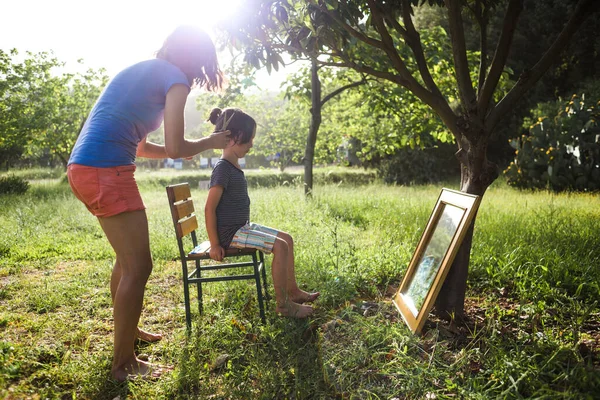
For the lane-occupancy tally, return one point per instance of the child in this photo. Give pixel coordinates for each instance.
(227, 215)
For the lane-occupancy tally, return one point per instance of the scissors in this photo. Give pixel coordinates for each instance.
(224, 127)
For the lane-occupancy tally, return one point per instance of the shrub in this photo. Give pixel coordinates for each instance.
(561, 151)
(421, 166)
(13, 185)
(270, 178)
(38, 173)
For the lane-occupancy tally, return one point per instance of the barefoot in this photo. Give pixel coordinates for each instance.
(301, 297)
(294, 310)
(147, 336)
(139, 369)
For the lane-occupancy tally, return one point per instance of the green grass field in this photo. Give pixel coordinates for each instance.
(533, 329)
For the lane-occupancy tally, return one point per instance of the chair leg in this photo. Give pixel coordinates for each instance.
(199, 287)
(264, 274)
(186, 297)
(258, 288)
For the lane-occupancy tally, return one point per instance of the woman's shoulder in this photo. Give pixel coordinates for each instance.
(154, 65)
(161, 72)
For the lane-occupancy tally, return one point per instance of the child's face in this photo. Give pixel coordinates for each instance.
(241, 149)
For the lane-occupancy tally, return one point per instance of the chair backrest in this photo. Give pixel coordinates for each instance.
(182, 211)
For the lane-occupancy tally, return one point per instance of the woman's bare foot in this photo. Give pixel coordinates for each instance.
(294, 310)
(138, 369)
(148, 336)
(300, 296)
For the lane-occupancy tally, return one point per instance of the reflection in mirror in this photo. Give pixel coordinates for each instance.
(431, 259)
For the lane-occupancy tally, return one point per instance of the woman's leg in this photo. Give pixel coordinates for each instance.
(296, 294)
(115, 278)
(128, 235)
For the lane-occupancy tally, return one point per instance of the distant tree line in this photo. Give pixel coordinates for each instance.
(41, 108)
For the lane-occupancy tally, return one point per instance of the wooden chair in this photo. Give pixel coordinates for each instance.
(186, 223)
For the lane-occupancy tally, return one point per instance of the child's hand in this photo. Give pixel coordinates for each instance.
(217, 253)
(219, 140)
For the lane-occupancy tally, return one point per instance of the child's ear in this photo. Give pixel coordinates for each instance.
(235, 139)
(230, 142)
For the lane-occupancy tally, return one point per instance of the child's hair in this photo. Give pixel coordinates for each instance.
(192, 50)
(241, 125)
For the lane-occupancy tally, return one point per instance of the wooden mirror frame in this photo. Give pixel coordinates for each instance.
(461, 208)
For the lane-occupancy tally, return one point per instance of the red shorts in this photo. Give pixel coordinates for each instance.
(106, 191)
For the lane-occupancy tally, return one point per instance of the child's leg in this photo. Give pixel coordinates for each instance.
(296, 294)
(266, 239)
(280, 272)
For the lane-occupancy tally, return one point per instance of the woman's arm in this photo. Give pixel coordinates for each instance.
(176, 145)
(150, 150)
(210, 217)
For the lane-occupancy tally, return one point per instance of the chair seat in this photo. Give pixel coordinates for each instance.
(202, 252)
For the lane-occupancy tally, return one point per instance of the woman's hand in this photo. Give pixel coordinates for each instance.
(217, 253)
(219, 140)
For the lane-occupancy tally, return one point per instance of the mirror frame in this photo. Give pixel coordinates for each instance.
(468, 204)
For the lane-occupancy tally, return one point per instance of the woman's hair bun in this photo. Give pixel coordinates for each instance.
(215, 113)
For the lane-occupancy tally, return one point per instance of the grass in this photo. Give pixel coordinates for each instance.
(532, 332)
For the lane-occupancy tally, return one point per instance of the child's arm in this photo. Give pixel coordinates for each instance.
(210, 217)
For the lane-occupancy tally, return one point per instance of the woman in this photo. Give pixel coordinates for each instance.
(101, 168)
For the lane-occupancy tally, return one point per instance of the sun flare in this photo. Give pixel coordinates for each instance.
(203, 13)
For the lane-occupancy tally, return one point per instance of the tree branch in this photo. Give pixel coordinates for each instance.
(459, 51)
(413, 39)
(482, 16)
(411, 83)
(439, 105)
(404, 77)
(353, 32)
(392, 21)
(366, 70)
(388, 43)
(583, 10)
(500, 56)
(341, 89)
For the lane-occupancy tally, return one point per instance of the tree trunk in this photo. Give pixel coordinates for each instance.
(315, 123)
(477, 174)
(64, 161)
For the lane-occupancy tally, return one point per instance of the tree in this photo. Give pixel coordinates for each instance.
(69, 101)
(281, 126)
(42, 112)
(386, 118)
(21, 88)
(377, 37)
(317, 101)
(538, 24)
